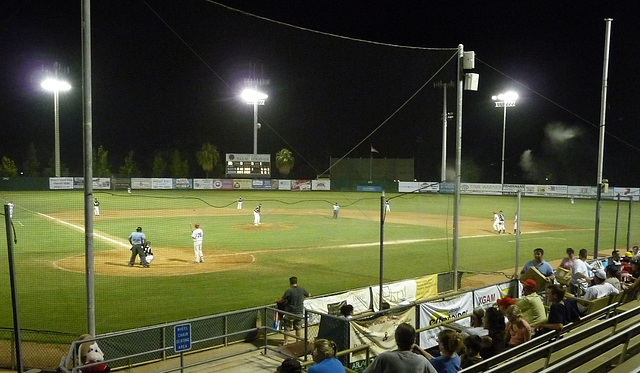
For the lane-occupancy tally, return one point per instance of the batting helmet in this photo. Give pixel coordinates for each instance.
(139, 229)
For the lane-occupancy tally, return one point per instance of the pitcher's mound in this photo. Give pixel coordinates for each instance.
(166, 262)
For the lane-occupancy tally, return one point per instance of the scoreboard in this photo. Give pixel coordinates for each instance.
(248, 166)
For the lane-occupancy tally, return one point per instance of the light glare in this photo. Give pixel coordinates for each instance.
(251, 95)
(55, 85)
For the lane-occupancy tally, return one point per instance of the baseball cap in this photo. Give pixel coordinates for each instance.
(629, 254)
(531, 283)
(600, 274)
(506, 301)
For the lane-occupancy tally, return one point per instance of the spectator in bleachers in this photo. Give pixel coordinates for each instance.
(518, 329)
(540, 264)
(449, 344)
(403, 359)
(471, 355)
(615, 259)
(580, 274)
(636, 252)
(476, 327)
(346, 311)
(493, 343)
(561, 312)
(504, 303)
(324, 354)
(531, 304)
(600, 289)
(290, 365)
(567, 262)
(613, 276)
(635, 286)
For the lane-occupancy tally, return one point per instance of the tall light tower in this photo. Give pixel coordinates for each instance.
(55, 85)
(254, 98)
(504, 100)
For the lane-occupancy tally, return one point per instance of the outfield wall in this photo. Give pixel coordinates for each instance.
(530, 190)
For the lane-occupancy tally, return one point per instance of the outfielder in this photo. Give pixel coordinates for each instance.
(197, 236)
(136, 239)
(387, 206)
(336, 209)
(96, 207)
(239, 203)
(256, 215)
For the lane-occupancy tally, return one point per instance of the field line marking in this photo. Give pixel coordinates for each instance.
(81, 229)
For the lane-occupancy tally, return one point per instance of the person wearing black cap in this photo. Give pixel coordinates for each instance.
(136, 239)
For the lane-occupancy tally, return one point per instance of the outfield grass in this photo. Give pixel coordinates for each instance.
(298, 238)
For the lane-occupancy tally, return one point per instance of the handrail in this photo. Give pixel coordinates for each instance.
(345, 352)
(587, 354)
(546, 352)
(534, 342)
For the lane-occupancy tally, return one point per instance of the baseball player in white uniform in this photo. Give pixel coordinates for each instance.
(96, 207)
(256, 215)
(501, 222)
(239, 203)
(387, 206)
(197, 236)
(496, 222)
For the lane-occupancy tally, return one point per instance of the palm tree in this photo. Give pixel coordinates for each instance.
(208, 157)
(285, 161)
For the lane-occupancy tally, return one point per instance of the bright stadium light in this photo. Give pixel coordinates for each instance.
(56, 86)
(254, 98)
(504, 100)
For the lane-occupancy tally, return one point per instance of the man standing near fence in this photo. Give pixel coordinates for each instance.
(293, 301)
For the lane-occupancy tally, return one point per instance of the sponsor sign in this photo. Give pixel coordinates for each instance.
(322, 184)
(140, 183)
(433, 313)
(161, 183)
(476, 188)
(377, 332)
(284, 184)
(396, 294)
(360, 299)
(202, 183)
(57, 183)
(301, 185)
(182, 184)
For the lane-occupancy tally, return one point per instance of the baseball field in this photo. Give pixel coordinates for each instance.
(247, 265)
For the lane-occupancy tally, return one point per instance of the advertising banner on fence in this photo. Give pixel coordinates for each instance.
(322, 184)
(426, 287)
(56, 183)
(98, 183)
(161, 183)
(627, 193)
(301, 185)
(512, 189)
(486, 297)
(418, 187)
(477, 188)
(378, 332)
(140, 183)
(360, 299)
(241, 184)
(284, 184)
(396, 294)
(182, 184)
(581, 192)
(261, 184)
(437, 312)
(202, 183)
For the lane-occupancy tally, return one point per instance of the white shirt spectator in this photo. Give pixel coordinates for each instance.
(595, 292)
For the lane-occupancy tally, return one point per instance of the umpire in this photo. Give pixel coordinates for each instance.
(136, 239)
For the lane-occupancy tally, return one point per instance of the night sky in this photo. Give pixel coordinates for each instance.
(167, 75)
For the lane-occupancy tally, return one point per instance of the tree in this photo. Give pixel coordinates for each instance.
(208, 157)
(129, 168)
(32, 165)
(179, 166)
(101, 163)
(285, 161)
(8, 167)
(159, 168)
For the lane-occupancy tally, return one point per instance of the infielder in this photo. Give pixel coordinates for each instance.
(336, 209)
(256, 215)
(501, 222)
(197, 236)
(96, 207)
(136, 240)
(10, 204)
(387, 206)
(239, 203)
(496, 222)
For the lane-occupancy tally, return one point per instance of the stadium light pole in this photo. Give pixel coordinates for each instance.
(254, 98)
(504, 100)
(56, 85)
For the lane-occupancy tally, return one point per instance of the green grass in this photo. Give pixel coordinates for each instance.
(304, 242)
